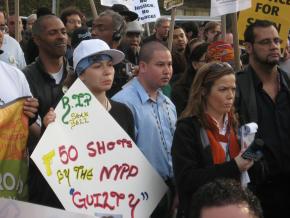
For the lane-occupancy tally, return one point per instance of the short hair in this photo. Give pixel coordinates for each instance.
(147, 50)
(118, 21)
(68, 12)
(210, 26)
(42, 11)
(160, 21)
(201, 88)
(191, 26)
(178, 27)
(249, 35)
(223, 192)
(37, 27)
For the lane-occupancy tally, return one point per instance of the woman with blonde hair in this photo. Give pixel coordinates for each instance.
(205, 145)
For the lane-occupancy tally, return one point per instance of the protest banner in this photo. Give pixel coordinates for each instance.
(13, 152)
(222, 7)
(92, 164)
(18, 209)
(147, 10)
(169, 4)
(276, 11)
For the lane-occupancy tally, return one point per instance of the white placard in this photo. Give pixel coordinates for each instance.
(109, 3)
(147, 10)
(18, 209)
(92, 164)
(222, 7)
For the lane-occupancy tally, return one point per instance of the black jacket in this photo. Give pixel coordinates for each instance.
(245, 101)
(43, 86)
(247, 109)
(192, 162)
(48, 93)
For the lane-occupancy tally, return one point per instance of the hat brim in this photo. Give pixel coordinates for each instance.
(117, 56)
(130, 15)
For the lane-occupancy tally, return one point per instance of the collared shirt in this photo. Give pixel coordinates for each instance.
(274, 124)
(154, 124)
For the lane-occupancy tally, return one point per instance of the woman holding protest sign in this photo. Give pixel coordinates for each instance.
(93, 63)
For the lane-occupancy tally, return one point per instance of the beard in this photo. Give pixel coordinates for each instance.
(265, 61)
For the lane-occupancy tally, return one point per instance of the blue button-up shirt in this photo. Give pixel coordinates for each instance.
(154, 124)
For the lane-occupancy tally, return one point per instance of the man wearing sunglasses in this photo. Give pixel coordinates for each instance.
(263, 97)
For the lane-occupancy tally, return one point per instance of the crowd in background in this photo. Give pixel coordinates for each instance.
(191, 98)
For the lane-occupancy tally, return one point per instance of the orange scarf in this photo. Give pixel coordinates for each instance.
(214, 137)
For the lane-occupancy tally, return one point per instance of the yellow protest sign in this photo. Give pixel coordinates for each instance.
(276, 11)
(13, 152)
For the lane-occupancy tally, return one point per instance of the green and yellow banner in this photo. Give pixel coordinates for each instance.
(13, 151)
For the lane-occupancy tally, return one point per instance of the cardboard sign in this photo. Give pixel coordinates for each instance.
(92, 164)
(275, 11)
(18, 209)
(13, 152)
(147, 10)
(222, 7)
(169, 4)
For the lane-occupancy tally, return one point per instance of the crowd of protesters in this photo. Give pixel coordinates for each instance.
(183, 108)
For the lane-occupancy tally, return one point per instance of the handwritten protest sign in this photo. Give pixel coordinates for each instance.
(18, 209)
(13, 152)
(147, 10)
(92, 164)
(222, 7)
(169, 4)
(272, 10)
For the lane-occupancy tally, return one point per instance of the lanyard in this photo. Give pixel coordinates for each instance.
(157, 119)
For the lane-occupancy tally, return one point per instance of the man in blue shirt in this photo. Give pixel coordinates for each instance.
(153, 112)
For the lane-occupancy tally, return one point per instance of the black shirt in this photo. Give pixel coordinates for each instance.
(274, 125)
(124, 117)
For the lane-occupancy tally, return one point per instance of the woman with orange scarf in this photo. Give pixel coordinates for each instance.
(205, 144)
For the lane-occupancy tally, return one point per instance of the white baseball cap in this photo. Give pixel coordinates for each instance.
(92, 47)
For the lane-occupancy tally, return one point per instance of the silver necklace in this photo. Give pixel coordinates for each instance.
(159, 125)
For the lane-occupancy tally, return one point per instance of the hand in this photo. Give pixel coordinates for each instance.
(243, 164)
(30, 107)
(49, 117)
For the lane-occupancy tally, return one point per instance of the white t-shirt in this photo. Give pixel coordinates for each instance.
(12, 52)
(13, 84)
(58, 75)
